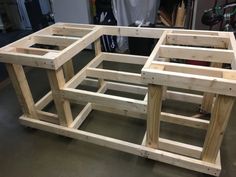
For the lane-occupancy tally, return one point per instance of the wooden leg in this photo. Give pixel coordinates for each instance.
(98, 50)
(57, 81)
(208, 98)
(219, 120)
(68, 70)
(153, 115)
(97, 47)
(207, 102)
(20, 83)
(100, 81)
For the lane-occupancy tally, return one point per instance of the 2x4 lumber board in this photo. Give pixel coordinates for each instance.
(155, 51)
(208, 98)
(75, 95)
(124, 58)
(27, 40)
(81, 116)
(199, 32)
(177, 147)
(53, 40)
(57, 82)
(97, 47)
(190, 81)
(192, 69)
(68, 69)
(120, 76)
(76, 25)
(154, 115)
(98, 50)
(232, 46)
(188, 69)
(27, 60)
(165, 117)
(86, 110)
(184, 97)
(72, 38)
(23, 92)
(81, 75)
(100, 81)
(140, 90)
(207, 102)
(218, 159)
(44, 101)
(70, 31)
(197, 40)
(184, 120)
(78, 46)
(122, 112)
(219, 119)
(146, 152)
(48, 117)
(133, 31)
(34, 51)
(196, 53)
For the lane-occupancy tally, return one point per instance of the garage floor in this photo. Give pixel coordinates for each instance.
(25, 152)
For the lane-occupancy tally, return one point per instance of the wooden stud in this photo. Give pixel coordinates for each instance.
(98, 50)
(196, 53)
(197, 40)
(208, 98)
(154, 115)
(68, 69)
(218, 122)
(57, 81)
(21, 86)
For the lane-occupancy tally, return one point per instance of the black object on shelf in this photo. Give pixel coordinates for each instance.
(141, 46)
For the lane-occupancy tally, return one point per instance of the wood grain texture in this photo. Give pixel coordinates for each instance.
(21, 86)
(57, 81)
(154, 115)
(208, 98)
(219, 120)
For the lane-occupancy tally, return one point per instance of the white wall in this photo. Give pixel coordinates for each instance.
(71, 11)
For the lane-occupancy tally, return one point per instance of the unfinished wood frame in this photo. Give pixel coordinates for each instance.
(62, 41)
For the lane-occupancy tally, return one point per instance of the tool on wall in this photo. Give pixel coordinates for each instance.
(223, 14)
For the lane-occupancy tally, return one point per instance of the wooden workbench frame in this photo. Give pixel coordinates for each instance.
(158, 73)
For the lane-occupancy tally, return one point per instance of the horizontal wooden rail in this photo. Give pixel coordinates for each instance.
(196, 53)
(197, 40)
(154, 154)
(103, 99)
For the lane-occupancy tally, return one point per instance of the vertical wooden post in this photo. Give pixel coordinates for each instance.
(208, 98)
(68, 70)
(218, 122)
(98, 50)
(207, 102)
(21, 86)
(153, 115)
(97, 47)
(57, 81)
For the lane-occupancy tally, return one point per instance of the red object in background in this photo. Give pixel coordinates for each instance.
(194, 62)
